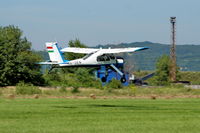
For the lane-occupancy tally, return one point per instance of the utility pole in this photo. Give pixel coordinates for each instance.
(173, 50)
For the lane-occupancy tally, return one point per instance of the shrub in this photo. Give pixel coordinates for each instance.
(27, 89)
(80, 77)
(63, 89)
(162, 71)
(52, 78)
(75, 89)
(97, 84)
(114, 84)
(68, 79)
(133, 89)
(84, 78)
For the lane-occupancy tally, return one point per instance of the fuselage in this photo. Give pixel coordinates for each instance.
(96, 58)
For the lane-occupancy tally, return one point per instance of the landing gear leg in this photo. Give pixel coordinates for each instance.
(123, 78)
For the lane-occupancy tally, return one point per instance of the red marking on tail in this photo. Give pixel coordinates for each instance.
(49, 47)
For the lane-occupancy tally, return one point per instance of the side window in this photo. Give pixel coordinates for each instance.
(100, 58)
(112, 57)
(106, 57)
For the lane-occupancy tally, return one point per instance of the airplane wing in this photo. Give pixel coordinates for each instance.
(79, 50)
(106, 51)
(123, 50)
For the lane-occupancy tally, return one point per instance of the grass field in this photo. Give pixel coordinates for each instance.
(99, 116)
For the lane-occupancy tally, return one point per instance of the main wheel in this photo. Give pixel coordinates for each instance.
(123, 79)
(103, 79)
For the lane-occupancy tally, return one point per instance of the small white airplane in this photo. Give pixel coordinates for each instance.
(94, 57)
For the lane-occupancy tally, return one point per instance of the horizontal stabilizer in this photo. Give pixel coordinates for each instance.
(47, 63)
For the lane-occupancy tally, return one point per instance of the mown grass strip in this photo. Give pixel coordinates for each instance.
(100, 115)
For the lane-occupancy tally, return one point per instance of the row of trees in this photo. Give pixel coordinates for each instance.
(17, 64)
(17, 61)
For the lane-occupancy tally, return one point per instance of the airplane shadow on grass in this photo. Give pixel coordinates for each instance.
(110, 106)
(130, 107)
(123, 106)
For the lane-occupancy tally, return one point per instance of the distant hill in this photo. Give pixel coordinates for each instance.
(188, 56)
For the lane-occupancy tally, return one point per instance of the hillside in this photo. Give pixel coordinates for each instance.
(188, 56)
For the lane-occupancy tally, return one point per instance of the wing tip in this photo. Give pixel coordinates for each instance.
(143, 48)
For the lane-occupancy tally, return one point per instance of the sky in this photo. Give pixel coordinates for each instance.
(96, 22)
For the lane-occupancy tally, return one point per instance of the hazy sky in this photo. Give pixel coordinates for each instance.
(102, 21)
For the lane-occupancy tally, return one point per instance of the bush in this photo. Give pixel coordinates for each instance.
(161, 77)
(97, 84)
(133, 89)
(68, 80)
(53, 78)
(114, 84)
(75, 89)
(27, 89)
(82, 77)
(63, 89)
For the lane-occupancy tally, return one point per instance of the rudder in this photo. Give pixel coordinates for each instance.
(54, 53)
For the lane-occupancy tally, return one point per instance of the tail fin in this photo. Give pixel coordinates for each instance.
(54, 52)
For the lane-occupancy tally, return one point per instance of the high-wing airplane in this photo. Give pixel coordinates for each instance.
(94, 57)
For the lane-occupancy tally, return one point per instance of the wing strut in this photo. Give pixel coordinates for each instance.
(123, 78)
(117, 70)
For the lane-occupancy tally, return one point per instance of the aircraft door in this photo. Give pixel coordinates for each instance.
(106, 58)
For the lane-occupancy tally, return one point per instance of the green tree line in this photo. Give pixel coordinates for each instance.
(18, 64)
(17, 61)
